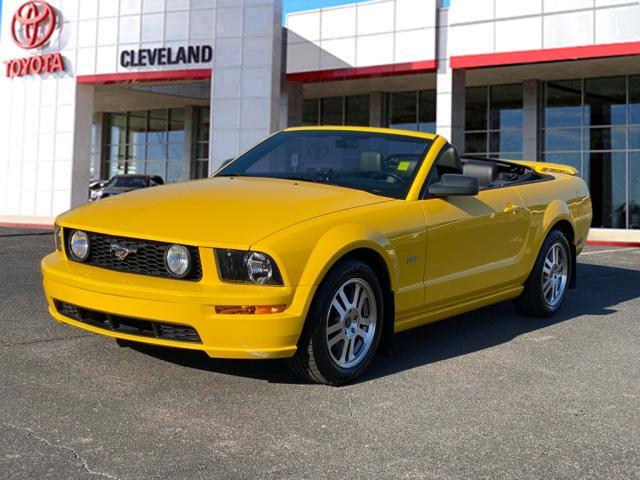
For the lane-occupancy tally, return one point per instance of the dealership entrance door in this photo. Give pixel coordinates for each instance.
(158, 129)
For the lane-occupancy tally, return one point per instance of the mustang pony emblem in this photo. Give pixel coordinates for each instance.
(122, 251)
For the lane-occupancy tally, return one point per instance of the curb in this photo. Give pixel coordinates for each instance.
(27, 226)
(605, 243)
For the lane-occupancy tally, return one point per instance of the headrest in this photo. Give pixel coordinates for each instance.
(370, 161)
(485, 172)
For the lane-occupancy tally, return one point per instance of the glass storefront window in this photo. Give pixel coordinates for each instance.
(607, 185)
(331, 111)
(476, 142)
(634, 100)
(634, 190)
(147, 142)
(176, 133)
(403, 110)
(506, 107)
(605, 138)
(563, 104)
(310, 112)
(476, 105)
(351, 110)
(594, 125)
(357, 110)
(506, 142)
(494, 121)
(157, 129)
(137, 128)
(605, 101)
(118, 128)
(563, 139)
(414, 110)
(200, 165)
(427, 111)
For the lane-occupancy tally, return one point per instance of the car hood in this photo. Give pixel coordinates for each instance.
(226, 212)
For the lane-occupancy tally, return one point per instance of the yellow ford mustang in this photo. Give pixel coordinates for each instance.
(317, 245)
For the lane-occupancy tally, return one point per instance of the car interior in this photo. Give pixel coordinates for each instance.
(489, 173)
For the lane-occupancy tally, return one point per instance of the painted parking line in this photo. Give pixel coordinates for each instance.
(613, 250)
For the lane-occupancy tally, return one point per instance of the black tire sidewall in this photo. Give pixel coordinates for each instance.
(352, 269)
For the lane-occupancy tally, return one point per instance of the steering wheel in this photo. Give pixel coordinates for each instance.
(386, 175)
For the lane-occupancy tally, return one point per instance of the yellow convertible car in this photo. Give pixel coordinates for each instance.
(317, 245)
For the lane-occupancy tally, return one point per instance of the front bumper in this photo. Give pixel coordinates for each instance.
(183, 303)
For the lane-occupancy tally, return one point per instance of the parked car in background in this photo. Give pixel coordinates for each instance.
(122, 184)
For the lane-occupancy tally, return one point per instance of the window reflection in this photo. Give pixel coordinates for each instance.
(147, 142)
(590, 124)
(494, 121)
(607, 187)
(563, 104)
(351, 110)
(413, 110)
(605, 101)
(634, 190)
(200, 165)
(506, 107)
(331, 111)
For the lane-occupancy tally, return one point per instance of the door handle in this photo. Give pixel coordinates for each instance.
(512, 208)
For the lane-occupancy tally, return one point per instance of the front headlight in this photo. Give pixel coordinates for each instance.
(79, 245)
(177, 259)
(247, 267)
(57, 237)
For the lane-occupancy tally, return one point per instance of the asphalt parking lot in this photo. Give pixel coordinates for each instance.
(484, 395)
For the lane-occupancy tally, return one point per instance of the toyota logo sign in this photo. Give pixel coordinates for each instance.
(33, 24)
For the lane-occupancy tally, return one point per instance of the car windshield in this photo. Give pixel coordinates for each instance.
(128, 182)
(382, 164)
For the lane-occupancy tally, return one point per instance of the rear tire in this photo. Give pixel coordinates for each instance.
(546, 288)
(343, 328)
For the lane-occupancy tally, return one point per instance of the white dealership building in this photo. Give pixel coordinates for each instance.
(93, 88)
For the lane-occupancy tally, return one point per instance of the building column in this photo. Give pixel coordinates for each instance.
(81, 161)
(190, 137)
(530, 96)
(245, 97)
(450, 94)
(290, 104)
(376, 109)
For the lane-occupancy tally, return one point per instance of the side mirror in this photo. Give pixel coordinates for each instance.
(452, 184)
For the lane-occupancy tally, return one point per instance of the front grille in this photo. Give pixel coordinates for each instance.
(133, 326)
(148, 258)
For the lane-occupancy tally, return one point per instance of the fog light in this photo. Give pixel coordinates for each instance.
(79, 245)
(177, 259)
(249, 309)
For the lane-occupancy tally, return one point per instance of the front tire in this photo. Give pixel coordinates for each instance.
(546, 288)
(343, 327)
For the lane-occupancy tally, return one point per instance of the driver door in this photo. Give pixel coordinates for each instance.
(474, 244)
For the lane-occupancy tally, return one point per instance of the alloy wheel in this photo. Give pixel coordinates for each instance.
(351, 323)
(555, 274)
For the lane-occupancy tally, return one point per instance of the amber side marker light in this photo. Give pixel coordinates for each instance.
(249, 309)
